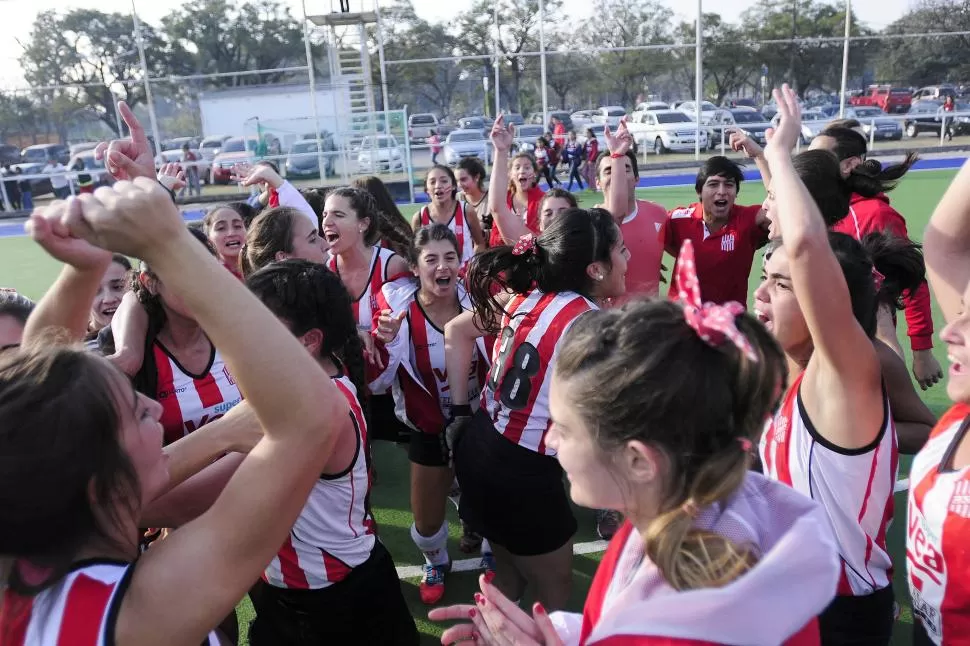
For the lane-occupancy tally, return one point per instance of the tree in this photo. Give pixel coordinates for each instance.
(729, 60)
(921, 61)
(628, 23)
(219, 36)
(93, 51)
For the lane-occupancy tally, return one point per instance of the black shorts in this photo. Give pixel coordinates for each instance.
(383, 423)
(859, 621)
(512, 496)
(427, 449)
(366, 608)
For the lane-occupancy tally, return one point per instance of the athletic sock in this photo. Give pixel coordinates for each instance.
(486, 548)
(434, 548)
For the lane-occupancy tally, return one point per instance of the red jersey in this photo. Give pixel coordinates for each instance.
(875, 215)
(190, 401)
(79, 610)
(458, 224)
(938, 533)
(641, 234)
(631, 604)
(335, 531)
(724, 257)
(530, 217)
(516, 393)
(854, 486)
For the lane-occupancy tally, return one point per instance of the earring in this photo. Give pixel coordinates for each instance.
(599, 277)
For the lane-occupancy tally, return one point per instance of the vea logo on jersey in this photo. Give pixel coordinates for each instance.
(727, 242)
(922, 553)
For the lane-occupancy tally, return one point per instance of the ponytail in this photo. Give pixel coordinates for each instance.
(900, 261)
(870, 178)
(557, 262)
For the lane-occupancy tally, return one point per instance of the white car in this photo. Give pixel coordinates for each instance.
(610, 115)
(466, 143)
(813, 122)
(665, 130)
(379, 153)
(708, 110)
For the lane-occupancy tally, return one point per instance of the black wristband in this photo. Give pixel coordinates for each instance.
(461, 410)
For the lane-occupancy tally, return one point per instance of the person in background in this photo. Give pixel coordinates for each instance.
(191, 166)
(14, 310)
(435, 142)
(543, 157)
(26, 191)
(471, 180)
(107, 299)
(558, 132)
(592, 154)
(387, 206)
(12, 187)
(572, 154)
(59, 181)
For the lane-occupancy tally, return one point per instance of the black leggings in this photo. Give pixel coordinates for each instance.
(365, 608)
(859, 621)
(574, 174)
(545, 170)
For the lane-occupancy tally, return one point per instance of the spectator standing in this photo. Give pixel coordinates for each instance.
(59, 181)
(191, 166)
(559, 131)
(11, 186)
(26, 192)
(572, 154)
(435, 141)
(948, 106)
(592, 154)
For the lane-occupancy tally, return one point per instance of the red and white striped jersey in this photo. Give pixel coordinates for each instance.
(516, 394)
(335, 531)
(79, 610)
(938, 533)
(190, 401)
(415, 361)
(365, 303)
(854, 486)
(458, 225)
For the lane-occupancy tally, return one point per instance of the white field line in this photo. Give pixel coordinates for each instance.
(470, 565)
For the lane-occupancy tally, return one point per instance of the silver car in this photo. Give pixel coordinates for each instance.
(466, 143)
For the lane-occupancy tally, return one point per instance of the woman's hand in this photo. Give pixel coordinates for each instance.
(782, 139)
(502, 136)
(248, 175)
(171, 176)
(495, 620)
(388, 325)
(131, 157)
(47, 228)
(740, 141)
(619, 142)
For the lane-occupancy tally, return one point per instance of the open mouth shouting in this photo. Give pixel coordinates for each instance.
(234, 245)
(764, 318)
(331, 236)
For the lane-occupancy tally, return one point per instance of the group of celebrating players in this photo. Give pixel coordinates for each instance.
(511, 339)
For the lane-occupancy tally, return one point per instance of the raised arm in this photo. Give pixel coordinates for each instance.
(841, 389)
(617, 201)
(741, 141)
(67, 304)
(946, 245)
(129, 327)
(193, 578)
(510, 226)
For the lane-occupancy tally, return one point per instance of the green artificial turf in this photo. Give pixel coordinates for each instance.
(25, 267)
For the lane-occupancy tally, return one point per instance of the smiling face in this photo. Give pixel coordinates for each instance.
(109, 295)
(956, 336)
(306, 241)
(552, 207)
(439, 186)
(437, 268)
(523, 174)
(776, 306)
(467, 183)
(342, 229)
(717, 196)
(227, 233)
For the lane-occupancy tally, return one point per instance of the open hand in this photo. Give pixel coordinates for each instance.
(248, 175)
(171, 176)
(782, 139)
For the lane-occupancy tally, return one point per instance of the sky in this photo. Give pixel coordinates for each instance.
(17, 16)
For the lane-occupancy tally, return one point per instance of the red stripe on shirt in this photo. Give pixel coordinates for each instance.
(422, 354)
(336, 569)
(84, 611)
(208, 390)
(171, 419)
(293, 575)
(15, 618)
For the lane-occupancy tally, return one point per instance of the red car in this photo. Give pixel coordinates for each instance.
(234, 151)
(888, 99)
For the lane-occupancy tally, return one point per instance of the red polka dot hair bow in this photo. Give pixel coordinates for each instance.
(525, 244)
(713, 323)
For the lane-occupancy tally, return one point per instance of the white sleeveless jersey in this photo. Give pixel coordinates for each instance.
(335, 531)
(516, 393)
(938, 534)
(458, 225)
(365, 303)
(854, 487)
(80, 610)
(190, 401)
(415, 361)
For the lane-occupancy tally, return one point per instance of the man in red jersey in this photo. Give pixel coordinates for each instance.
(725, 234)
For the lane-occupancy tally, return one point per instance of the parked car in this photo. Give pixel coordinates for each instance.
(751, 121)
(649, 106)
(610, 115)
(935, 93)
(514, 118)
(211, 146)
(708, 110)
(466, 143)
(738, 102)
(472, 123)
(868, 116)
(303, 162)
(887, 98)
(9, 154)
(94, 167)
(79, 148)
(813, 122)
(927, 116)
(177, 143)
(380, 154)
(525, 137)
(665, 130)
(581, 119)
(234, 151)
(420, 126)
(35, 158)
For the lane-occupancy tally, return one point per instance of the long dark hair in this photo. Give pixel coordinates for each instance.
(269, 234)
(309, 296)
(379, 226)
(873, 176)
(562, 253)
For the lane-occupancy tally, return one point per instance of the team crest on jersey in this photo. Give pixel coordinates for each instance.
(781, 428)
(682, 213)
(727, 242)
(228, 375)
(960, 500)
